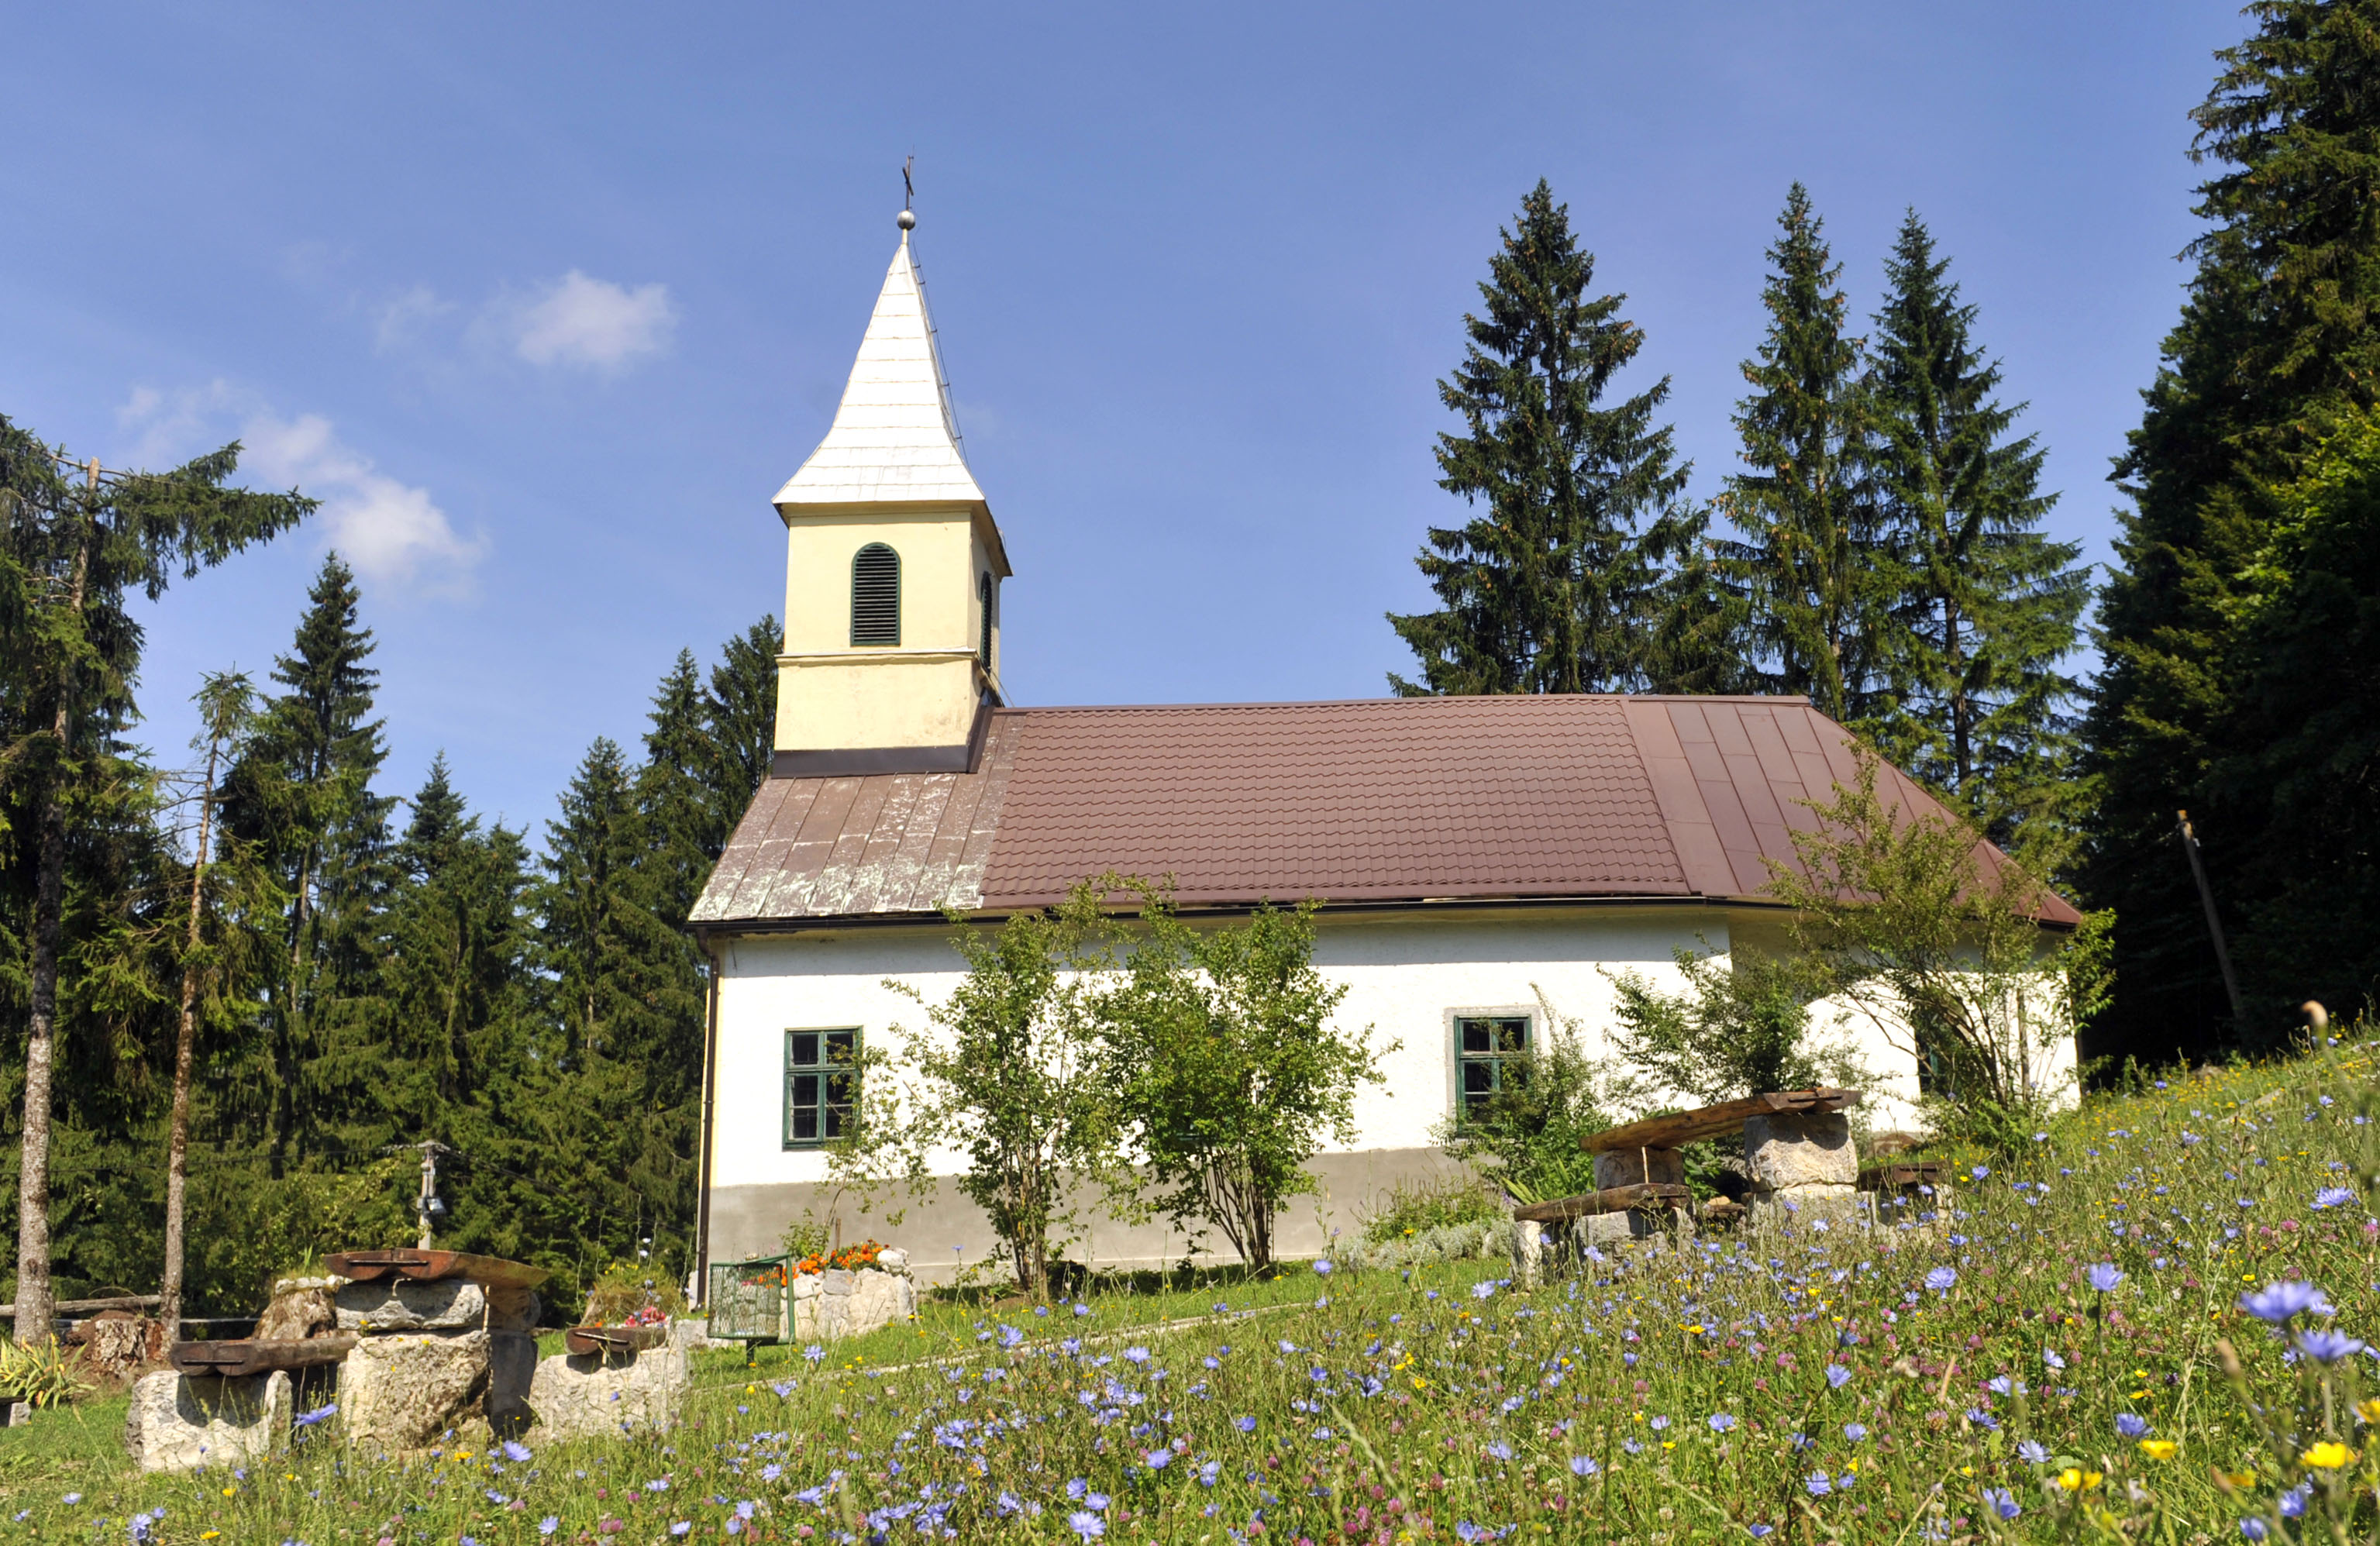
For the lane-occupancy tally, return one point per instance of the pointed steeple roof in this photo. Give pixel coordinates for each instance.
(893, 438)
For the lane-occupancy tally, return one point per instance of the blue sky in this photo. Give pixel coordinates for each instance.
(546, 301)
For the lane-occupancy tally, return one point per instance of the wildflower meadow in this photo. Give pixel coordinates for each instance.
(2145, 1325)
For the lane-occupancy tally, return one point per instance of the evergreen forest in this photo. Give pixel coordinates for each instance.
(241, 982)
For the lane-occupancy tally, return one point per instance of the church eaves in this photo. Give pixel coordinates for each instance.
(895, 439)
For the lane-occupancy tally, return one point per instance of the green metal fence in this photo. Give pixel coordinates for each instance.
(747, 1299)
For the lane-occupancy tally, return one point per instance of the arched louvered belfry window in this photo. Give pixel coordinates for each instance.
(876, 595)
(983, 595)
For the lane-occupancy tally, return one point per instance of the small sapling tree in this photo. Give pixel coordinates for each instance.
(1951, 963)
(1007, 1072)
(1230, 1070)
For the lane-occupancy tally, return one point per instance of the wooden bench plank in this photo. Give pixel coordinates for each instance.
(1610, 1199)
(1677, 1131)
(424, 1266)
(250, 1357)
(1896, 1175)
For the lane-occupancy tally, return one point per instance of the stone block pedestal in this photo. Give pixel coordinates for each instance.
(178, 1422)
(1805, 1172)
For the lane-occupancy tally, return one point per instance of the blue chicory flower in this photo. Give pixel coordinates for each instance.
(2327, 1347)
(2281, 1302)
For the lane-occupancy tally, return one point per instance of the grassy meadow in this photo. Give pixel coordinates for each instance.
(2142, 1328)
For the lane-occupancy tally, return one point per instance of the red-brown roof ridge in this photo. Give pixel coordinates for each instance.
(1362, 801)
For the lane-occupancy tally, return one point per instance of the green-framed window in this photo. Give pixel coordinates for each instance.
(1491, 1052)
(821, 1085)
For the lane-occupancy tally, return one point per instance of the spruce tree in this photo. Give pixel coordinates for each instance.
(626, 996)
(303, 795)
(1988, 606)
(454, 959)
(2279, 336)
(1554, 586)
(740, 716)
(1810, 568)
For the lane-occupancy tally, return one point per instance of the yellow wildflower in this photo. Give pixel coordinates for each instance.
(2074, 1480)
(2369, 1410)
(2327, 1455)
(2157, 1449)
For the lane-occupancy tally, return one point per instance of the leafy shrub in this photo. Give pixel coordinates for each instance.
(1413, 1208)
(805, 1237)
(1741, 1026)
(41, 1372)
(1470, 1240)
(626, 1288)
(1529, 1138)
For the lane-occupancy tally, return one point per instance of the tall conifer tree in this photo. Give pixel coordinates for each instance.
(1810, 566)
(2278, 337)
(1555, 585)
(303, 795)
(1988, 606)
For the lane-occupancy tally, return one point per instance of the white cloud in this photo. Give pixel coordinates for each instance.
(390, 532)
(166, 430)
(592, 323)
(399, 320)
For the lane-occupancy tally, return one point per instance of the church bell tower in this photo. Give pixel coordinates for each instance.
(893, 568)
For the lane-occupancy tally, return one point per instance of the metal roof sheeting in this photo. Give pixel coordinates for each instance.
(1383, 801)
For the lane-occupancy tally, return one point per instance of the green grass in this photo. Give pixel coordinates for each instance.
(1408, 1409)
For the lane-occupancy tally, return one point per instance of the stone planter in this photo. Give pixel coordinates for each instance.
(822, 1306)
(573, 1396)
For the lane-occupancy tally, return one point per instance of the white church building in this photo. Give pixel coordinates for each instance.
(1476, 858)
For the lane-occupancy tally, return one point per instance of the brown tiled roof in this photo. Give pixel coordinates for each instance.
(1382, 800)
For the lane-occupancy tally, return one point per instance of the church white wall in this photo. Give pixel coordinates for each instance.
(1405, 977)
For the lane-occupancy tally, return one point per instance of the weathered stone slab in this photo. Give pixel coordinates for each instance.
(178, 1422)
(573, 1396)
(401, 1391)
(296, 1313)
(1785, 1150)
(402, 1305)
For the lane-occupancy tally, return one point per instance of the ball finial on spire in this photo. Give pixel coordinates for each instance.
(908, 220)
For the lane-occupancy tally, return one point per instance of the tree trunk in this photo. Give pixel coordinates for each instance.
(35, 1314)
(35, 1317)
(177, 1145)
